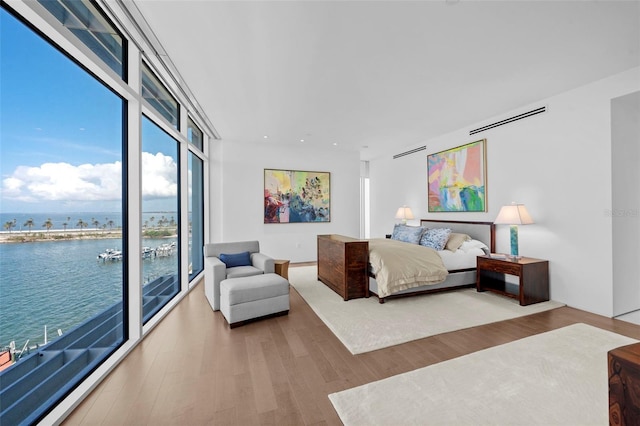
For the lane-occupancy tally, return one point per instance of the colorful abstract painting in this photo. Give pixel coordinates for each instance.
(293, 196)
(457, 179)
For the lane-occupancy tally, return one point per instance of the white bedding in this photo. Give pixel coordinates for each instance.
(464, 257)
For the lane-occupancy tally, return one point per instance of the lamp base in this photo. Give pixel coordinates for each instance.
(513, 232)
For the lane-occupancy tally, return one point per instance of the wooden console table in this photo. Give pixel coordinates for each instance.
(342, 265)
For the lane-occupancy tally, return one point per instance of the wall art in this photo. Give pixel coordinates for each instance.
(295, 196)
(457, 179)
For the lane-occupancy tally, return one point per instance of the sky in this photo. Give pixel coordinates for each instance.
(61, 134)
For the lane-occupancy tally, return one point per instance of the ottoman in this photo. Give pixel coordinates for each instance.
(249, 298)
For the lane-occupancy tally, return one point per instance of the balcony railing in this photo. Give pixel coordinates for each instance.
(39, 380)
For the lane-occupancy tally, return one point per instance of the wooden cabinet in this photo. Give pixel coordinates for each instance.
(342, 265)
(624, 385)
(533, 286)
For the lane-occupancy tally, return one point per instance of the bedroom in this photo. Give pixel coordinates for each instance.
(562, 203)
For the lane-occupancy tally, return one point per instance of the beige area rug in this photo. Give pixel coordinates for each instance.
(364, 325)
(553, 378)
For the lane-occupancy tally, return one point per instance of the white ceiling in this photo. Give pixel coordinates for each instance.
(383, 76)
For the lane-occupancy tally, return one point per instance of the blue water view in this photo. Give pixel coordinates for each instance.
(61, 283)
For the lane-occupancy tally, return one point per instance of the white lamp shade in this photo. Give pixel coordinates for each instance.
(404, 213)
(514, 214)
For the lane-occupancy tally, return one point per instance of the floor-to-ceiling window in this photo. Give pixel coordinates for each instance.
(196, 200)
(85, 177)
(160, 207)
(62, 274)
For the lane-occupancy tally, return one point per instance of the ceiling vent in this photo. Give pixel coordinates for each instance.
(413, 151)
(509, 120)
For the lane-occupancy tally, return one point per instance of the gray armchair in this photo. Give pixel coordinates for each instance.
(215, 270)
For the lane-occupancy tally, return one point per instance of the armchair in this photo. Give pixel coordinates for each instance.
(215, 270)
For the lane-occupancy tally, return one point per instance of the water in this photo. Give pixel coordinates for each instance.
(60, 284)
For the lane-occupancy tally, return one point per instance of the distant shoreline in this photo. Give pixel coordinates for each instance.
(16, 237)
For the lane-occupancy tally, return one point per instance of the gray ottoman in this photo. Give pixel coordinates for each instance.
(248, 298)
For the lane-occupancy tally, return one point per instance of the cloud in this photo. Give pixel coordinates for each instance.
(89, 182)
(160, 176)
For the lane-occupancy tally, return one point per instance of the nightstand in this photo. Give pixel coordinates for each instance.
(533, 286)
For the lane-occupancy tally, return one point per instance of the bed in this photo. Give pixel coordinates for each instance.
(460, 265)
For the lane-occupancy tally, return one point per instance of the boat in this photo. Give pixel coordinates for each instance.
(163, 250)
(148, 252)
(110, 254)
(6, 359)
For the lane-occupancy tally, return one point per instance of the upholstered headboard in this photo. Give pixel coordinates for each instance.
(482, 231)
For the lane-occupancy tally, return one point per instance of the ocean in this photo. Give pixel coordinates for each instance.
(59, 284)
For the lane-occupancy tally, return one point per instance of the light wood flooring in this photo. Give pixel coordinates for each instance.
(193, 370)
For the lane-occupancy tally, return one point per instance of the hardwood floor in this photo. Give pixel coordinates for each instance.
(192, 369)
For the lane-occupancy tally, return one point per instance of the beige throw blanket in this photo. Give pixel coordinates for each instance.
(398, 266)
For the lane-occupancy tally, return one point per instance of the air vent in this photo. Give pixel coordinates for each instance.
(509, 120)
(413, 151)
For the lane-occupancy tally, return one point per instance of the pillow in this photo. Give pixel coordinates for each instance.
(407, 234)
(455, 241)
(472, 244)
(236, 259)
(436, 238)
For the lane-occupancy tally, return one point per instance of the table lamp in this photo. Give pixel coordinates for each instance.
(514, 215)
(403, 214)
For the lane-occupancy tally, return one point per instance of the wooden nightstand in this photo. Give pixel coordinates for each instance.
(533, 285)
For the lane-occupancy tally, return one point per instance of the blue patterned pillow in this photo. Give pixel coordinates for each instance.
(407, 234)
(435, 238)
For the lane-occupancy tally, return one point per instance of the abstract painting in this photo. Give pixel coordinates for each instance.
(294, 196)
(457, 179)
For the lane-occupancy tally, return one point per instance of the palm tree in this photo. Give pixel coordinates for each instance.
(151, 219)
(95, 223)
(47, 224)
(8, 225)
(110, 223)
(29, 224)
(81, 224)
(64, 226)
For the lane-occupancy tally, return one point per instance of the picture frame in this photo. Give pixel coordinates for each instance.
(296, 196)
(457, 179)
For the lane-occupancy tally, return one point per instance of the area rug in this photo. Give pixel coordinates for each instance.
(553, 378)
(364, 325)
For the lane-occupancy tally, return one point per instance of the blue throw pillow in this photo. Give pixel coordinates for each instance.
(407, 234)
(236, 259)
(435, 238)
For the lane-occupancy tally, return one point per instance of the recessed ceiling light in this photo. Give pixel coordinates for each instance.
(335, 144)
(301, 140)
(266, 137)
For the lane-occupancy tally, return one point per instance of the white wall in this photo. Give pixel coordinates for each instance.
(237, 201)
(557, 163)
(625, 142)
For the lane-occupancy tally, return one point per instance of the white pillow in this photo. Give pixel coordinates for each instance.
(471, 244)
